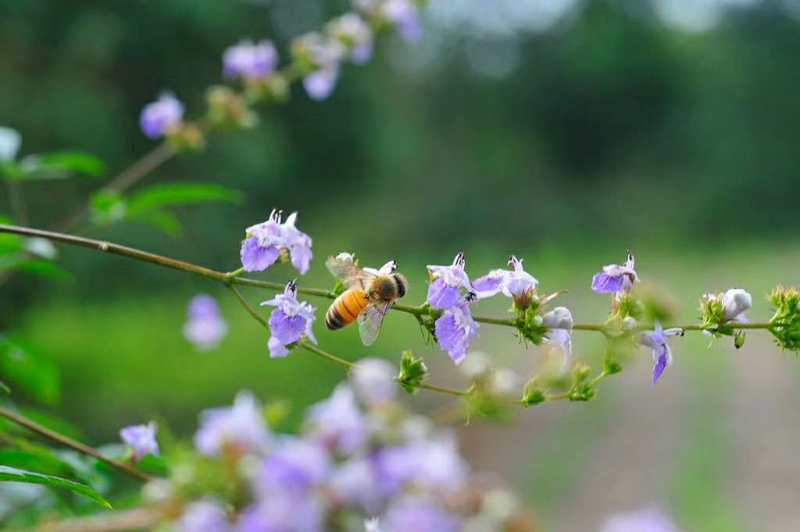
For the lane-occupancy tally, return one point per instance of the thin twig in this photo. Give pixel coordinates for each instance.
(248, 307)
(136, 519)
(73, 444)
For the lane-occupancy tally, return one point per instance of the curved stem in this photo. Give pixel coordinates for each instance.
(248, 307)
(69, 442)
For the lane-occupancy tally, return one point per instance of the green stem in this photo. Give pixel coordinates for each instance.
(248, 307)
(73, 444)
(233, 278)
(324, 354)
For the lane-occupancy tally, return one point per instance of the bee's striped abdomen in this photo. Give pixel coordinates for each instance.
(346, 308)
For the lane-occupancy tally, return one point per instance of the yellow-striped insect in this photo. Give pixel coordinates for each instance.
(369, 295)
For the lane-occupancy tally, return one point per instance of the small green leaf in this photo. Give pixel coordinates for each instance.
(107, 208)
(41, 462)
(160, 219)
(11, 474)
(173, 194)
(60, 165)
(40, 267)
(29, 372)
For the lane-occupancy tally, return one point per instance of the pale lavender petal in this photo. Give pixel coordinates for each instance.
(441, 296)
(141, 439)
(602, 283)
(490, 284)
(206, 515)
(160, 116)
(320, 84)
(256, 258)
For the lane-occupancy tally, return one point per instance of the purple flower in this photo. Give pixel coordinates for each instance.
(323, 53)
(289, 322)
(515, 283)
(615, 278)
(206, 515)
(141, 439)
(337, 422)
(647, 520)
(262, 246)
(374, 381)
(296, 465)
(265, 242)
(455, 330)
(298, 243)
(160, 116)
(736, 302)
(283, 512)
(320, 83)
(251, 61)
(420, 515)
(355, 34)
(662, 354)
(240, 428)
(205, 327)
(354, 483)
(405, 16)
(450, 285)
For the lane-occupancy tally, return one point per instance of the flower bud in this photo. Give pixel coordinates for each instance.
(226, 108)
(186, 137)
(629, 323)
(735, 302)
(558, 318)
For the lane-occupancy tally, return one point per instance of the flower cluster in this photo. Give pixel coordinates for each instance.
(290, 322)
(316, 57)
(264, 243)
(205, 328)
(360, 462)
(720, 309)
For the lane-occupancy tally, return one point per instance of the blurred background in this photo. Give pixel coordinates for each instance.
(563, 131)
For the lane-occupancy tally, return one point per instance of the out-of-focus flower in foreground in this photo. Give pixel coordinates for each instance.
(239, 429)
(205, 328)
(141, 439)
(646, 520)
(10, 141)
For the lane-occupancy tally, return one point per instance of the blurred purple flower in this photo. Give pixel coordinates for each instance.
(355, 34)
(405, 16)
(337, 422)
(205, 327)
(283, 512)
(295, 465)
(141, 439)
(662, 354)
(289, 322)
(455, 330)
(320, 83)
(374, 381)
(251, 61)
(615, 278)
(355, 483)
(240, 428)
(159, 117)
(450, 285)
(647, 520)
(419, 515)
(206, 515)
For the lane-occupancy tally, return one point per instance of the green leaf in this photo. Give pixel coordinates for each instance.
(11, 474)
(40, 461)
(107, 208)
(160, 219)
(173, 194)
(60, 165)
(40, 267)
(28, 371)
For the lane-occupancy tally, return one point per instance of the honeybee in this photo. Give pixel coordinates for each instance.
(369, 295)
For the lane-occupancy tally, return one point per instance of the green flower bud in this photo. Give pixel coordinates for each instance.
(412, 372)
(532, 395)
(785, 323)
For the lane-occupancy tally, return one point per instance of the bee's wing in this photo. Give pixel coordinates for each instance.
(343, 267)
(370, 321)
